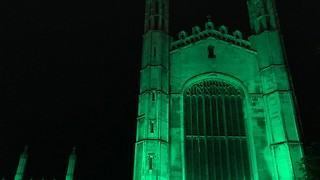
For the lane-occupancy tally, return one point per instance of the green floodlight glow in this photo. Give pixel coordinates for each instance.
(215, 106)
(71, 165)
(22, 164)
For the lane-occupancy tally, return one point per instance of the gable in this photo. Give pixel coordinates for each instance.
(233, 60)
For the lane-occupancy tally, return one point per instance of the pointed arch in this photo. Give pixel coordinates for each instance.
(215, 132)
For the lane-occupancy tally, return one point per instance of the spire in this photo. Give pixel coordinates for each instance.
(209, 18)
(156, 15)
(72, 162)
(22, 164)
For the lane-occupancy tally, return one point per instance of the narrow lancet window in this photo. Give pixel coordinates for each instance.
(153, 96)
(154, 51)
(150, 160)
(211, 53)
(156, 7)
(152, 127)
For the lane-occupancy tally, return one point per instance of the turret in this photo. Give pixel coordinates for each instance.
(72, 162)
(263, 15)
(156, 15)
(21, 165)
(277, 91)
(152, 149)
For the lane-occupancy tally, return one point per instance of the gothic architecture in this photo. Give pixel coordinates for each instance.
(23, 161)
(214, 106)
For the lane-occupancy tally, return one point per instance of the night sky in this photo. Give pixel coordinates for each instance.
(69, 76)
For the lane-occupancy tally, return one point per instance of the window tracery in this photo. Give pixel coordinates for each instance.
(216, 144)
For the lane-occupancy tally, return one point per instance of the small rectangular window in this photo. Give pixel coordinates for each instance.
(152, 127)
(153, 96)
(211, 53)
(150, 160)
(154, 51)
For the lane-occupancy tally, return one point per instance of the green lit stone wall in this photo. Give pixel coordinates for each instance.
(270, 118)
(281, 118)
(233, 60)
(257, 69)
(152, 148)
(233, 64)
(152, 138)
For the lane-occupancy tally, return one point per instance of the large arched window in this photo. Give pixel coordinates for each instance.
(215, 138)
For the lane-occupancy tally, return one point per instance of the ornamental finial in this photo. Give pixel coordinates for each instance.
(209, 18)
(26, 148)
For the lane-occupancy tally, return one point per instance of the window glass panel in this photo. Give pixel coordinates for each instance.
(194, 112)
(216, 145)
(200, 116)
(196, 162)
(208, 119)
(221, 124)
(187, 114)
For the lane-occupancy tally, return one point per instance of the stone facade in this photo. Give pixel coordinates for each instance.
(241, 108)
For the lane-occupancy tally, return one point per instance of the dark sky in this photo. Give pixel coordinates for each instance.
(69, 75)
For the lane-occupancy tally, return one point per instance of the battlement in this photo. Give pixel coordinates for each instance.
(221, 33)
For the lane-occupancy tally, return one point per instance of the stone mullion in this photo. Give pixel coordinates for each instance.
(198, 135)
(215, 101)
(218, 149)
(224, 121)
(192, 157)
(220, 135)
(231, 116)
(240, 139)
(234, 119)
(191, 133)
(191, 115)
(187, 115)
(239, 156)
(205, 132)
(212, 138)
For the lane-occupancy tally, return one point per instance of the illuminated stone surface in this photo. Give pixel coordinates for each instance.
(21, 165)
(71, 165)
(215, 106)
(23, 160)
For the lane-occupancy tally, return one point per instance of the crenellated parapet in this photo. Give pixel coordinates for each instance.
(210, 31)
